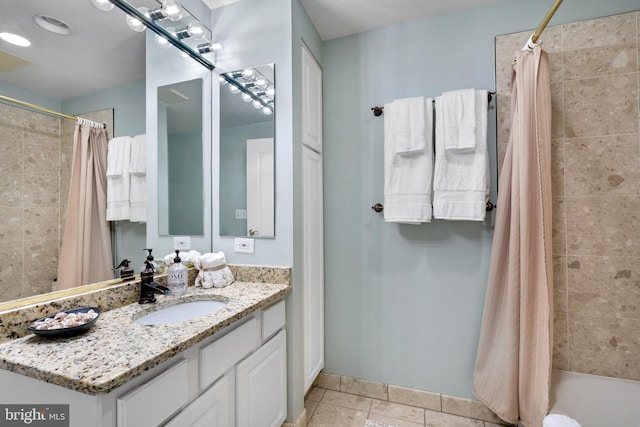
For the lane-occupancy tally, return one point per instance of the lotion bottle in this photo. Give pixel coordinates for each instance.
(177, 276)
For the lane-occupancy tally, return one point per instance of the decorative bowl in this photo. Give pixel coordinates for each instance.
(63, 332)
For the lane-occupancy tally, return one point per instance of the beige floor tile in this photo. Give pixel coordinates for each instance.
(361, 387)
(329, 381)
(392, 422)
(315, 394)
(346, 400)
(488, 424)
(467, 408)
(396, 410)
(337, 416)
(310, 406)
(440, 419)
(413, 397)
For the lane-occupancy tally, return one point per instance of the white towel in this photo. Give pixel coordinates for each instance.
(214, 271)
(405, 122)
(459, 115)
(461, 180)
(555, 420)
(138, 155)
(188, 258)
(118, 181)
(408, 162)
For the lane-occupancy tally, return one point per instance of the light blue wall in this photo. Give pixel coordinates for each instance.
(26, 95)
(404, 303)
(185, 190)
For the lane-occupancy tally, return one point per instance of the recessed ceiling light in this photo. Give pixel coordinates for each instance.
(52, 24)
(15, 39)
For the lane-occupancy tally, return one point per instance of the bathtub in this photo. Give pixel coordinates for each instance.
(595, 401)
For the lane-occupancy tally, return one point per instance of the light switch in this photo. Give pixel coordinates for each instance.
(241, 214)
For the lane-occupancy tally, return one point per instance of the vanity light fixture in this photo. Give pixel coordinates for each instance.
(245, 81)
(15, 39)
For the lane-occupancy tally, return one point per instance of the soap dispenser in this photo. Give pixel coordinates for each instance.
(177, 276)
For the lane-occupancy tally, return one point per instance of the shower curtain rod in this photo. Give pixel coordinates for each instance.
(49, 111)
(545, 21)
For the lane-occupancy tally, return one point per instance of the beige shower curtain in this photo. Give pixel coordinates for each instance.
(513, 363)
(85, 256)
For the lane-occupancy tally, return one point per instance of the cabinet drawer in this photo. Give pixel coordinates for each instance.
(153, 402)
(219, 356)
(273, 319)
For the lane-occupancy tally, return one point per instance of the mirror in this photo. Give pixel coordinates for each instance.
(247, 137)
(180, 169)
(99, 66)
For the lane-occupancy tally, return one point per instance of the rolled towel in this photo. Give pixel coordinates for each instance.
(188, 258)
(556, 420)
(213, 270)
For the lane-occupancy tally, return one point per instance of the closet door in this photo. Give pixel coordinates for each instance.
(311, 101)
(313, 260)
(312, 217)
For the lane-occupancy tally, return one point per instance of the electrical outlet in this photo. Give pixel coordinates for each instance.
(243, 246)
(241, 214)
(182, 242)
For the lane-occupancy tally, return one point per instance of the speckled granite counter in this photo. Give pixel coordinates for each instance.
(117, 350)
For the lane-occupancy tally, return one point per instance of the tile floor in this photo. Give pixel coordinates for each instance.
(329, 408)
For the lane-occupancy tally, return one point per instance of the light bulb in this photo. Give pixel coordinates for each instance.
(270, 91)
(246, 97)
(257, 104)
(267, 111)
(248, 74)
(171, 10)
(261, 82)
(104, 5)
(196, 30)
(162, 42)
(134, 23)
(223, 81)
(233, 89)
(215, 46)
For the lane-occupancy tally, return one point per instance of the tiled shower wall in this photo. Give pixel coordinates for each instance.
(35, 168)
(595, 80)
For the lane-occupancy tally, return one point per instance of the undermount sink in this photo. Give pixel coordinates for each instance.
(181, 312)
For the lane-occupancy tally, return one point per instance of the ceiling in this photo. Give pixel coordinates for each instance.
(103, 52)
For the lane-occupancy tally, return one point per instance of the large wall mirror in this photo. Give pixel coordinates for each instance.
(247, 141)
(98, 65)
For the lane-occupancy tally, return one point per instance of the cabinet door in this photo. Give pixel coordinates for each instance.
(311, 101)
(261, 381)
(313, 268)
(214, 408)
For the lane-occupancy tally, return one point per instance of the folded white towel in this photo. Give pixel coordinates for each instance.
(408, 163)
(214, 271)
(405, 122)
(138, 198)
(118, 180)
(556, 420)
(138, 155)
(459, 115)
(461, 180)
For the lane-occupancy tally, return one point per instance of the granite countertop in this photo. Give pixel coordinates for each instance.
(116, 350)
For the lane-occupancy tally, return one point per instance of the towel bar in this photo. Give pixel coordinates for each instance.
(377, 111)
(378, 207)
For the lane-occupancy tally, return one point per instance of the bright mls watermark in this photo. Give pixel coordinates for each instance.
(34, 415)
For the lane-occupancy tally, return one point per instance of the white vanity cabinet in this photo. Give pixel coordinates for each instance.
(197, 387)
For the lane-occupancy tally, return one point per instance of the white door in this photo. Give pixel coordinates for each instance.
(311, 101)
(313, 260)
(214, 408)
(260, 188)
(261, 381)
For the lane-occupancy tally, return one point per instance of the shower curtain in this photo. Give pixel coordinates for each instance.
(512, 372)
(85, 256)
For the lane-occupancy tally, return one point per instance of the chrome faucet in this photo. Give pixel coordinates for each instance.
(148, 288)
